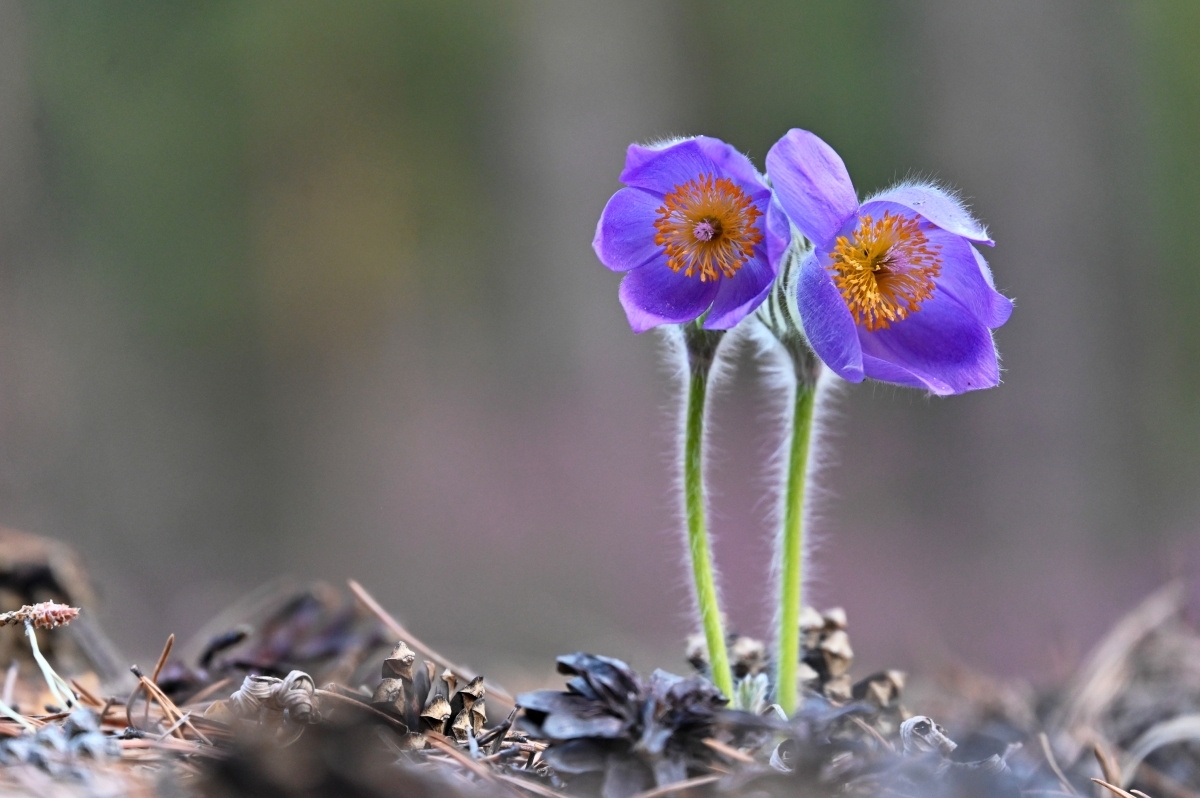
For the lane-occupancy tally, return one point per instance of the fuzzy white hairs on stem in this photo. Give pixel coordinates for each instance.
(775, 377)
(675, 360)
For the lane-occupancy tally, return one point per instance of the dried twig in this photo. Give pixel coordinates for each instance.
(1162, 784)
(529, 786)
(728, 751)
(162, 658)
(1108, 764)
(494, 691)
(1184, 728)
(211, 690)
(1106, 671)
(1113, 789)
(483, 771)
(1053, 763)
(884, 743)
(686, 784)
(153, 693)
(86, 695)
(363, 707)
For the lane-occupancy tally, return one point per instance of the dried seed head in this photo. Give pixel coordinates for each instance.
(46, 615)
(835, 618)
(811, 620)
(461, 728)
(399, 663)
(747, 656)
(921, 735)
(390, 696)
(835, 648)
(292, 697)
(474, 688)
(697, 651)
(881, 689)
(436, 713)
(839, 688)
(806, 673)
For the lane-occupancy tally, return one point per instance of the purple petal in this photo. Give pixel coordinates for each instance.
(738, 296)
(962, 279)
(943, 345)
(938, 206)
(661, 170)
(961, 275)
(812, 184)
(827, 322)
(1001, 306)
(654, 295)
(625, 233)
(733, 164)
(885, 371)
(779, 232)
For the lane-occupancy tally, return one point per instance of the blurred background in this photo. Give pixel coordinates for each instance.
(307, 288)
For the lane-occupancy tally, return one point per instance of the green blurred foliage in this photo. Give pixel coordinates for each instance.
(146, 127)
(288, 164)
(1170, 44)
(1169, 55)
(777, 65)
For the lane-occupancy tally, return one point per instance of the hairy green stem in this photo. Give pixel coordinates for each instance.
(701, 349)
(792, 549)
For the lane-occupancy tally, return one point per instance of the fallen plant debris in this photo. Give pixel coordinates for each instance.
(46, 615)
(308, 692)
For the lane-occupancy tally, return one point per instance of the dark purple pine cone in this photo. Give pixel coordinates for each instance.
(614, 736)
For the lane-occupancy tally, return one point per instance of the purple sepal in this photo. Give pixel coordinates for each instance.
(1001, 306)
(944, 345)
(827, 322)
(812, 184)
(661, 170)
(731, 163)
(886, 371)
(938, 206)
(737, 297)
(654, 295)
(623, 240)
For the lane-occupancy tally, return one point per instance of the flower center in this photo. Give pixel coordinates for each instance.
(707, 226)
(886, 270)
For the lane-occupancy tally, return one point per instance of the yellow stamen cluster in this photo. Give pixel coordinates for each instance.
(707, 227)
(886, 270)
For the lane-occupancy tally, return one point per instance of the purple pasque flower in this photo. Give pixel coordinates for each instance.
(893, 289)
(696, 232)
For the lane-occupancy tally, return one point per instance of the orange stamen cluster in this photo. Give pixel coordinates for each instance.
(886, 270)
(707, 227)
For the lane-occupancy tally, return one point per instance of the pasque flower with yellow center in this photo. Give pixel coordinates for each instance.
(696, 232)
(893, 289)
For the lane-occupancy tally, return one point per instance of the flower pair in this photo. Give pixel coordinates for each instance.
(892, 288)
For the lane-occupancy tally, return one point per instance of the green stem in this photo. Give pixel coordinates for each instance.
(792, 551)
(697, 530)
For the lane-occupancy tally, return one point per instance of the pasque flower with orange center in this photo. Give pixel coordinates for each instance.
(893, 289)
(696, 232)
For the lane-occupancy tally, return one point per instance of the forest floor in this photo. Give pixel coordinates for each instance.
(320, 691)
